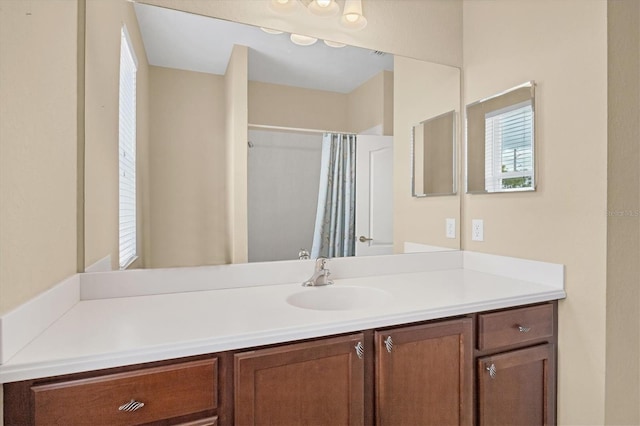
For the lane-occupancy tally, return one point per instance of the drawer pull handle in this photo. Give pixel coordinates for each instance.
(132, 405)
(388, 343)
(523, 329)
(492, 371)
(360, 350)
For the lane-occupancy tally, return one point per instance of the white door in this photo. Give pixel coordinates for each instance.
(374, 195)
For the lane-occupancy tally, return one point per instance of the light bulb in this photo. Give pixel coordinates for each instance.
(334, 44)
(351, 17)
(283, 6)
(302, 40)
(270, 31)
(324, 7)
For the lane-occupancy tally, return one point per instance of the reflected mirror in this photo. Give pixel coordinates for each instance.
(230, 128)
(433, 158)
(501, 142)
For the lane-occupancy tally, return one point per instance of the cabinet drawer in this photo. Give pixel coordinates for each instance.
(514, 326)
(166, 392)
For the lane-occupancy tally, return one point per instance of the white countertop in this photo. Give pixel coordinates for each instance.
(111, 332)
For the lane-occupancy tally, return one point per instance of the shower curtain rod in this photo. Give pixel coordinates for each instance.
(296, 129)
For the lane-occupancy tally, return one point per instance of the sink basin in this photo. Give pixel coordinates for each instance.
(332, 298)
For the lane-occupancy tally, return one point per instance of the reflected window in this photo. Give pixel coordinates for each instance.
(509, 148)
(501, 142)
(127, 153)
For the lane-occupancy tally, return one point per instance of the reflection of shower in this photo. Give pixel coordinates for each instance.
(283, 173)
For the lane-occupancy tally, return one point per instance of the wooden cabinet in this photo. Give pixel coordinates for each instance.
(490, 368)
(514, 387)
(178, 393)
(515, 366)
(424, 374)
(312, 383)
(515, 326)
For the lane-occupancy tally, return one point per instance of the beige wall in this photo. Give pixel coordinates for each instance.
(367, 106)
(236, 105)
(420, 220)
(187, 169)
(623, 204)
(371, 104)
(104, 22)
(287, 106)
(563, 47)
(38, 146)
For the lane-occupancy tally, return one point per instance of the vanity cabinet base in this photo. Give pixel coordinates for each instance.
(489, 368)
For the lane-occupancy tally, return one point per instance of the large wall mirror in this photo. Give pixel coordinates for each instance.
(501, 142)
(232, 123)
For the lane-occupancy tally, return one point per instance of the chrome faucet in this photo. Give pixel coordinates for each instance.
(321, 275)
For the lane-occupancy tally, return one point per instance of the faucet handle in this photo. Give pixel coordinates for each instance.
(321, 262)
(303, 254)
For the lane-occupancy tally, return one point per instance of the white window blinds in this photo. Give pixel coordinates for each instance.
(509, 148)
(127, 153)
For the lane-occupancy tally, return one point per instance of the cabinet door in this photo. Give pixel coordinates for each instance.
(424, 374)
(517, 387)
(311, 383)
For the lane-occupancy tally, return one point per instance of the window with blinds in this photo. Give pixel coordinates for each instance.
(509, 148)
(127, 153)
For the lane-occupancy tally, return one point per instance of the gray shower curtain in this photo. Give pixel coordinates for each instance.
(334, 233)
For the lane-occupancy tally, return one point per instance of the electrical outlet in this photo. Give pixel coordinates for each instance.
(477, 230)
(450, 227)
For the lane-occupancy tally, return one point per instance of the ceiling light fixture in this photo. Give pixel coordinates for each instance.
(302, 40)
(270, 31)
(352, 16)
(334, 44)
(324, 7)
(283, 6)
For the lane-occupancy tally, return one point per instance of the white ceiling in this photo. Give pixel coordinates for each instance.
(175, 39)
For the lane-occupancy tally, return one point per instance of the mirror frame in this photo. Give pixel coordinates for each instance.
(454, 155)
(531, 85)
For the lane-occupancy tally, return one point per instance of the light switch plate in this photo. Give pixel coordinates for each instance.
(450, 227)
(477, 230)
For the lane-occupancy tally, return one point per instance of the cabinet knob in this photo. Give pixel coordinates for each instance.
(364, 239)
(132, 405)
(523, 329)
(388, 343)
(359, 349)
(493, 372)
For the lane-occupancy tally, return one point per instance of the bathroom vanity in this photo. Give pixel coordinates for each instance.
(447, 345)
(488, 368)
